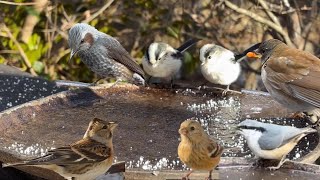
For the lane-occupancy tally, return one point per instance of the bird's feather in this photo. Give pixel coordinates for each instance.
(119, 54)
(295, 78)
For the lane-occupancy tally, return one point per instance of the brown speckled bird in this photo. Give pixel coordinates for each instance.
(291, 76)
(196, 149)
(82, 160)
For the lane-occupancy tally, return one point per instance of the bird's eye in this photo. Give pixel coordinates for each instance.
(105, 127)
(82, 41)
(192, 128)
(209, 57)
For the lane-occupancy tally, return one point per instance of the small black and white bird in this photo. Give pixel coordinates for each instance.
(220, 65)
(163, 61)
(103, 54)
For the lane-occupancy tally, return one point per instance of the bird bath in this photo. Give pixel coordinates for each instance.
(147, 136)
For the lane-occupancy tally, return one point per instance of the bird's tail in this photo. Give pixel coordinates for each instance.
(14, 164)
(309, 130)
(187, 45)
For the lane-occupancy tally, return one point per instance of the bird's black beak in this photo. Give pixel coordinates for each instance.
(72, 54)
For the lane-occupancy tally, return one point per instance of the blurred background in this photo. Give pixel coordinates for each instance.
(33, 34)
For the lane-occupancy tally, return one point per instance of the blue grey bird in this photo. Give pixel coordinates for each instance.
(270, 141)
(103, 54)
(163, 61)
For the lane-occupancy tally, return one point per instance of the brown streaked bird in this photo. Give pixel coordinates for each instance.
(196, 149)
(291, 76)
(82, 160)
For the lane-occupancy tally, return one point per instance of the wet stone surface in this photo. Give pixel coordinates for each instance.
(17, 87)
(149, 119)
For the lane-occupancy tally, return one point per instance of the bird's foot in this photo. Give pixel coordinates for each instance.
(273, 168)
(185, 178)
(224, 92)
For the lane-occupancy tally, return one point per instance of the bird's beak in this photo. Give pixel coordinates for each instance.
(113, 125)
(183, 131)
(254, 55)
(73, 52)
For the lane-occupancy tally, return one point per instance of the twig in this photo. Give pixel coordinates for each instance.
(98, 12)
(22, 53)
(260, 19)
(269, 13)
(18, 4)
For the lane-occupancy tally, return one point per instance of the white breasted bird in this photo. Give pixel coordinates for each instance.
(103, 54)
(218, 65)
(85, 159)
(271, 141)
(163, 61)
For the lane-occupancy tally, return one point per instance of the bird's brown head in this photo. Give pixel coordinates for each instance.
(191, 129)
(81, 38)
(100, 130)
(266, 49)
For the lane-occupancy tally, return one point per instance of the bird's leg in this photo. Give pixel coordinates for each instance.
(283, 160)
(210, 176)
(148, 80)
(96, 82)
(186, 177)
(224, 92)
(115, 83)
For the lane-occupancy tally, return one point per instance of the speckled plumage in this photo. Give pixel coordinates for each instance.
(103, 54)
(82, 160)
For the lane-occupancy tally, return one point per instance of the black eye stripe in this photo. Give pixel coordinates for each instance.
(261, 129)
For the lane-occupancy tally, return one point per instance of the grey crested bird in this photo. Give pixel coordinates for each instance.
(271, 141)
(103, 54)
(163, 61)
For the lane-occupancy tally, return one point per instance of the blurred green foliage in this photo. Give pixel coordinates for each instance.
(135, 24)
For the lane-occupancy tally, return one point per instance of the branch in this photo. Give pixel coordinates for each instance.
(22, 53)
(260, 19)
(269, 13)
(98, 12)
(18, 4)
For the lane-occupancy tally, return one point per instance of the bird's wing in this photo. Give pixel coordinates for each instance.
(296, 78)
(83, 152)
(271, 139)
(214, 149)
(119, 54)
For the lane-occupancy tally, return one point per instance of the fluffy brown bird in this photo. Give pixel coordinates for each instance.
(196, 149)
(83, 160)
(291, 76)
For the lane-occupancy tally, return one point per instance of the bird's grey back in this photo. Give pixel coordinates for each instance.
(276, 136)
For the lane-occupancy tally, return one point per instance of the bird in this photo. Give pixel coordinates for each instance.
(163, 61)
(196, 149)
(85, 159)
(218, 65)
(291, 76)
(103, 54)
(271, 141)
